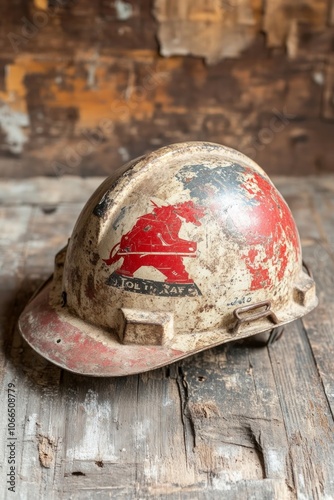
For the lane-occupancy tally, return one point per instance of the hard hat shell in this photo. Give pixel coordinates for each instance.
(180, 250)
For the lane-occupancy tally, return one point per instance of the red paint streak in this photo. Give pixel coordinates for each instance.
(64, 344)
(252, 254)
(260, 274)
(262, 219)
(274, 227)
(154, 241)
(260, 277)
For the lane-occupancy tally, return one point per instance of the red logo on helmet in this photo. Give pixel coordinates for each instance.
(154, 241)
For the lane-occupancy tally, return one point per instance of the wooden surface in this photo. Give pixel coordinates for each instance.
(240, 421)
(68, 67)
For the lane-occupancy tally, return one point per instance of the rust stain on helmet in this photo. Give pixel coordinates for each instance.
(164, 258)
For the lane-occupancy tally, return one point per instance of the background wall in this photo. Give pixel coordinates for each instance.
(85, 86)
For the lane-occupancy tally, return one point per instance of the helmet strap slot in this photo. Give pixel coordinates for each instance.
(241, 317)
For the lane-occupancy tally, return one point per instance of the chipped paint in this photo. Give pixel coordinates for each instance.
(252, 213)
(213, 30)
(15, 93)
(275, 227)
(12, 124)
(77, 89)
(124, 10)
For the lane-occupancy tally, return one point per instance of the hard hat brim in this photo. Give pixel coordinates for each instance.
(75, 345)
(85, 349)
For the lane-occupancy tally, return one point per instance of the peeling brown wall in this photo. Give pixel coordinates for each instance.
(83, 87)
(213, 29)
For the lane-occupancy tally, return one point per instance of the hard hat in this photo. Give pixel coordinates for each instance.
(180, 250)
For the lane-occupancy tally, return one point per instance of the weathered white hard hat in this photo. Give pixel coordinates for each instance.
(178, 251)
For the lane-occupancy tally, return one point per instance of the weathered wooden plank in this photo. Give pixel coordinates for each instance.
(234, 416)
(233, 422)
(303, 361)
(262, 490)
(138, 440)
(13, 241)
(30, 246)
(46, 192)
(14, 224)
(307, 416)
(320, 255)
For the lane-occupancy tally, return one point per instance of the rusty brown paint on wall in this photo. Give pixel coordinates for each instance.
(88, 91)
(211, 29)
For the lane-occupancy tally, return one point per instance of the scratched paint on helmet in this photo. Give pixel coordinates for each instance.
(275, 223)
(221, 272)
(154, 241)
(243, 250)
(251, 212)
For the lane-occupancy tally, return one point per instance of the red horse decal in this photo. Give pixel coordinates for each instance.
(154, 241)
